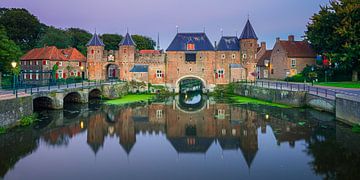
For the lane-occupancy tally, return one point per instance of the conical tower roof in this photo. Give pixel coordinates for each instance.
(127, 41)
(248, 32)
(95, 41)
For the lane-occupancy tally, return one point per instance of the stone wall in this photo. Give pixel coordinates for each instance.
(113, 91)
(320, 103)
(292, 98)
(11, 110)
(348, 109)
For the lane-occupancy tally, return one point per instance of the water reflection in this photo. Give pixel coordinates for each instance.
(312, 138)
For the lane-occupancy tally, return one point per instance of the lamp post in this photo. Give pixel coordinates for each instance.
(82, 72)
(14, 64)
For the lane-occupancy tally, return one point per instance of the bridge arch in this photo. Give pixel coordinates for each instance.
(95, 93)
(189, 77)
(72, 97)
(42, 102)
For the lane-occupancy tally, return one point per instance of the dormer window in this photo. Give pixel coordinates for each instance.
(190, 47)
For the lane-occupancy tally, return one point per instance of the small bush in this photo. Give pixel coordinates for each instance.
(356, 129)
(2, 130)
(28, 120)
(296, 78)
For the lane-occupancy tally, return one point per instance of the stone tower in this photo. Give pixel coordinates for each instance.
(95, 50)
(127, 49)
(248, 50)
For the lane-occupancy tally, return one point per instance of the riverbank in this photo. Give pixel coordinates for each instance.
(131, 98)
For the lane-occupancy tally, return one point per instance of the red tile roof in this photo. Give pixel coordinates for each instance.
(298, 49)
(73, 54)
(265, 56)
(149, 52)
(53, 53)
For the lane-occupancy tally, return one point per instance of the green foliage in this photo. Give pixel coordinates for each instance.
(28, 120)
(111, 41)
(79, 38)
(223, 90)
(9, 52)
(143, 42)
(296, 78)
(55, 37)
(2, 130)
(335, 32)
(21, 27)
(246, 100)
(130, 99)
(351, 84)
(356, 128)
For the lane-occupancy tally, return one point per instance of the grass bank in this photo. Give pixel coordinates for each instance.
(247, 100)
(132, 98)
(340, 84)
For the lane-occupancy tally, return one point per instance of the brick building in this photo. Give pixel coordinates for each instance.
(37, 63)
(189, 56)
(290, 57)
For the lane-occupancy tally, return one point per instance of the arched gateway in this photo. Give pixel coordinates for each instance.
(190, 83)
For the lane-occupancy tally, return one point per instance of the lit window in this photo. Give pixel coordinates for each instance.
(293, 63)
(190, 46)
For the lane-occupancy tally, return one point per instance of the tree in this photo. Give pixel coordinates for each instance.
(335, 32)
(55, 37)
(9, 52)
(111, 41)
(79, 38)
(143, 42)
(21, 27)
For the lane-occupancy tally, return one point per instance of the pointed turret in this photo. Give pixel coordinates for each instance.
(127, 41)
(248, 32)
(95, 41)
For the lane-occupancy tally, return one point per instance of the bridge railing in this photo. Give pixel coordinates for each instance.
(23, 89)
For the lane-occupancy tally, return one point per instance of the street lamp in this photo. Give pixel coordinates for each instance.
(82, 72)
(14, 64)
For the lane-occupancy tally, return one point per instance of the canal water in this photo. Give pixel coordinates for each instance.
(188, 137)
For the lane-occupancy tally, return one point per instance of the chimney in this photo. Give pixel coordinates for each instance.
(291, 38)
(277, 39)
(263, 45)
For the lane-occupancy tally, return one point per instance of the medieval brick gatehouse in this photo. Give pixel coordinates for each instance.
(189, 56)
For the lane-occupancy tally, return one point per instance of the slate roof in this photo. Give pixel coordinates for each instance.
(95, 41)
(265, 56)
(298, 49)
(228, 43)
(200, 40)
(248, 32)
(127, 41)
(140, 68)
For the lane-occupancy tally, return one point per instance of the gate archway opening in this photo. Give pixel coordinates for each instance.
(191, 84)
(112, 72)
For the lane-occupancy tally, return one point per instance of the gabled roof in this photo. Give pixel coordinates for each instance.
(48, 52)
(73, 54)
(140, 68)
(200, 40)
(228, 43)
(202, 144)
(298, 49)
(248, 32)
(95, 41)
(265, 56)
(127, 41)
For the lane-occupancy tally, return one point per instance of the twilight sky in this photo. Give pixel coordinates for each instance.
(270, 18)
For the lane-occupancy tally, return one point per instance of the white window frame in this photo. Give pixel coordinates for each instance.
(158, 74)
(293, 63)
(30, 63)
(244, 56)
(159, 113)
(60, 74)
(60, 63)
(24, 74)
(220, 72)
(30, 72)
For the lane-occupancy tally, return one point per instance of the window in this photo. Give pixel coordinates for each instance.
(60, 74)
(37, 74)
(221, 114)
(220, 73)
(223, 56)
(30, 63)
(59, 63)
(293, 63)
(233, 56)
(92, 51)
(30, 73)
(190, 46)
(159, 74)
(159, 113)
(223, 131)
(233, 131)
(244, 56)
(266, 73)
(24, 74)
(190, 57)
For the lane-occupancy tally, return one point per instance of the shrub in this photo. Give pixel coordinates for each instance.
(296, 78)
(2, 130)
(356, 129)
(28, 120)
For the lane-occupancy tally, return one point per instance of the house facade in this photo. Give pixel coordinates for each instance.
(37, 64)
(189, 56)
(290, 57)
